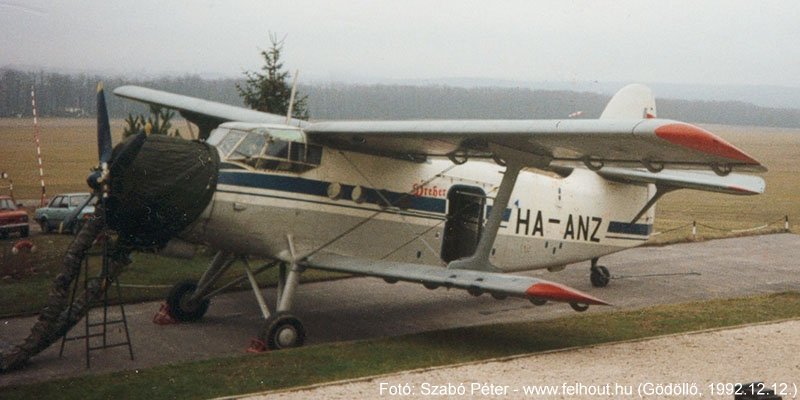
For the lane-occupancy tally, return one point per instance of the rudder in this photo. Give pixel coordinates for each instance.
(634, 101)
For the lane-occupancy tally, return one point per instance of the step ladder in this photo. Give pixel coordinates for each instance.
(96, 333)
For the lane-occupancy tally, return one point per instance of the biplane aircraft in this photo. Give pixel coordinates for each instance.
(444, 203)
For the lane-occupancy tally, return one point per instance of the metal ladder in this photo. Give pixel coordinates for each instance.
(99, 329)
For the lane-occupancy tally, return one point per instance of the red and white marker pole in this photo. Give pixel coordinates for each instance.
(38, 146)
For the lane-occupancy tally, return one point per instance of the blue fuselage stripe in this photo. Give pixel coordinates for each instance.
(296, 185)
(629, 229)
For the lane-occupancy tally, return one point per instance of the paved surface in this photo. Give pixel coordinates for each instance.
(363, 308)
(637, 369)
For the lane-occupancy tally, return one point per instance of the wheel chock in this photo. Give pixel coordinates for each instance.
(257, 346)
(23, 245)
(163, 316)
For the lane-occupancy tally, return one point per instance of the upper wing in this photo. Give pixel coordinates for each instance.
(206, 114)
(476, 282)
(617, 139)
(653, 142)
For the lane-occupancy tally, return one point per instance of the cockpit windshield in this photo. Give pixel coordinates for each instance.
(264, 147)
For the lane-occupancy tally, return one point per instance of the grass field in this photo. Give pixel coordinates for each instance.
(32, 274)
(779, 150)
(325, 363)
(69, 150)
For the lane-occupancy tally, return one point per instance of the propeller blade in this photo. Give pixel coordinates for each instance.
(103, 126)
(71, 218)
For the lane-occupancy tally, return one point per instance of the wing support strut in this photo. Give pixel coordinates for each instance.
(661, 190)
(479, 261)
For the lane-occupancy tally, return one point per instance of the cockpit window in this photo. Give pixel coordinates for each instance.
(251, 146)
(267, 148)
(229, 142)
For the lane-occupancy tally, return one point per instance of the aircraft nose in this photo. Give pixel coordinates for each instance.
(159, 185)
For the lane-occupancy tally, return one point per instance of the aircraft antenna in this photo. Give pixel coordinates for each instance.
(291, 97)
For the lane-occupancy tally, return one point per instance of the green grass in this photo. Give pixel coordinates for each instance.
(324, 363)
(146, 270)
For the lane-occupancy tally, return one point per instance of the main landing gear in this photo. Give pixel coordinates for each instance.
(600, 276)
(188, 300)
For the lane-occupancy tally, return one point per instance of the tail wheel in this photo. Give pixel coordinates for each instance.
(283, 331)
(180, 306)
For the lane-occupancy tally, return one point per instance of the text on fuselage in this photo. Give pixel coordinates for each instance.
(578, 227)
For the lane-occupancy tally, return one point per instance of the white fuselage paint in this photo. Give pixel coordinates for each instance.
(569, 219)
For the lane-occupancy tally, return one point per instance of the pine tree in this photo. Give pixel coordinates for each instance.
(269, 90)
(159, 121)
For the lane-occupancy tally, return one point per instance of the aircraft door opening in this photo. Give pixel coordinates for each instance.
(464, 222)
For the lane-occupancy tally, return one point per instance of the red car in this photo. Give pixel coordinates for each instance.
(12, 218)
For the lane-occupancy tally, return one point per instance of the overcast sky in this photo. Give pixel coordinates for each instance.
(716, 42)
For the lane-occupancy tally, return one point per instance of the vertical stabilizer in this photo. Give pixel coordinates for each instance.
(634, 101)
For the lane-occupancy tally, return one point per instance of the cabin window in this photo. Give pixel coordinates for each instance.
(230, 141)
(267, 149)
(293, 156)
(251, 146)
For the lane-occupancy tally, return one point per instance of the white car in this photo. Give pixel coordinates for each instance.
(60, 208)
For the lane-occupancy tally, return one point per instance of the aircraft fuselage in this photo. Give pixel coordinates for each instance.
(437, 210)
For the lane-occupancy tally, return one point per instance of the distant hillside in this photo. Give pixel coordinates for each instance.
(760, 95)
(64, 95)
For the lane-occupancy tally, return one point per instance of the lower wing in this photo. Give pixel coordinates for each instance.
(475, 282)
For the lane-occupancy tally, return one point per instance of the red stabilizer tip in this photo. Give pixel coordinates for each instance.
(702, 140)
(557, 292)
(163, 317)
(257, 346)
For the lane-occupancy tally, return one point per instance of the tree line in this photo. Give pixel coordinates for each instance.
(72, 95)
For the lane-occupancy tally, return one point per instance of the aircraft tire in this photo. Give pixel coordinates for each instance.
(538, 302)
(600, 276)
(282, 331)
(177, 301)
(579, 307)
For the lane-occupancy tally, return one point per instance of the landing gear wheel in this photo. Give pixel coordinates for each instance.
(579, 307)
(538, 302)
(600, 276)
(178, 302)
(283, 331)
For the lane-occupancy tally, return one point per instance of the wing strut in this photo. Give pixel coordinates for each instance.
(661, 190)
(480, 259)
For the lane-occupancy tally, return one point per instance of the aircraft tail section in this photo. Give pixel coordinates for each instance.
(634, 101)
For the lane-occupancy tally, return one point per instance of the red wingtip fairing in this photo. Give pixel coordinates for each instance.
(702, 140)
(557, 292)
